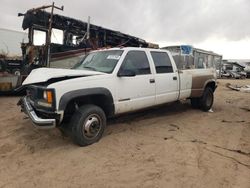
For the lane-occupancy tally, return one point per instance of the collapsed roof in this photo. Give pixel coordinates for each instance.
(104, 36)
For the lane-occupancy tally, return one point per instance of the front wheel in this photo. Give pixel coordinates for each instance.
(88, 124)
(207, 99)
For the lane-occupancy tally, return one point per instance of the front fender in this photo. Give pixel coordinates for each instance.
(69, 96)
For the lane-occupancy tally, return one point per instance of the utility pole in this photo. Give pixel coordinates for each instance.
(48, 42)
(88, 28)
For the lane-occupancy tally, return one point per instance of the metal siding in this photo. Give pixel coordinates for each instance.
(10, 42)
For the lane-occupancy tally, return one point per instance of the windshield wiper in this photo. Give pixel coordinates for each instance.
(91, 68)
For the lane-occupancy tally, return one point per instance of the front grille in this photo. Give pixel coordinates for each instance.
(35, 95)
(34, 92)
(31, 93)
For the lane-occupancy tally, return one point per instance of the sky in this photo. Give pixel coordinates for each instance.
(222, 26)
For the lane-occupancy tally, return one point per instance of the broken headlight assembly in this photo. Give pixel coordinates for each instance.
(48, 99)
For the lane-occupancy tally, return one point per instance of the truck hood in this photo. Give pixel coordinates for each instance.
(42, 75)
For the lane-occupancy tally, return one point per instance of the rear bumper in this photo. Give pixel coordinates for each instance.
(38, 122)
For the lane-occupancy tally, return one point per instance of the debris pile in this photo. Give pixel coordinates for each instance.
(245, 88)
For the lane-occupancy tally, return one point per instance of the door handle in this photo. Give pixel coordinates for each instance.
(151, 81)
(175, 78)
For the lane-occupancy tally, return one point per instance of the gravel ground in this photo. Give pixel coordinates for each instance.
(169, 146)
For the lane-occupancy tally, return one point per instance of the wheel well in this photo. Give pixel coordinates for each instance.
(100, 100)
(211, 85)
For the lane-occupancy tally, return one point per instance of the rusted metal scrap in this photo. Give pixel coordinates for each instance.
(99, 36)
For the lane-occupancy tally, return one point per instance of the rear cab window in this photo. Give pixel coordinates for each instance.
(162, 62)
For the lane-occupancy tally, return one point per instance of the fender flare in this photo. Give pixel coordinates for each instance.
(198, 92)
(208, 82)
(69, 96)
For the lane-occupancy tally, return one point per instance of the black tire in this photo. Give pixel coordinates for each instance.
(195, 102)
(207, 99)
(88, 124)
(65, 130)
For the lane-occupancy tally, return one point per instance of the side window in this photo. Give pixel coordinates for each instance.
(136, 61)
(57, 36)
(39, 37)
(200, 63)
(162, 62)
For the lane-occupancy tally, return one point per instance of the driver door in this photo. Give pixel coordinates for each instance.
(135, 91)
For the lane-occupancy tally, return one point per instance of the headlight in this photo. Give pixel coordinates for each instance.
(45, 95)
(47, 99)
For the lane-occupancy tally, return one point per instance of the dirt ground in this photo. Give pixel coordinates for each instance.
(170, 146)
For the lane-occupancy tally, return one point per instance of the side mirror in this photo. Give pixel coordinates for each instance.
(126, 73)
(20, 14)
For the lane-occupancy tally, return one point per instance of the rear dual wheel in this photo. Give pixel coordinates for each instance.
(205, 102)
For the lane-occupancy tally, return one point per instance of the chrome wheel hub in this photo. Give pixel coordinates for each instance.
(92, 126)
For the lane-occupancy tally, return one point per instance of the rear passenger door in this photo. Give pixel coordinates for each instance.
(138, 91)
(166, 79)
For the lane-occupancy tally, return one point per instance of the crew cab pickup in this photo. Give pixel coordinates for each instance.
(111, 82)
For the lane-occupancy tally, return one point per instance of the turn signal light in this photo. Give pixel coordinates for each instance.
(49, 97)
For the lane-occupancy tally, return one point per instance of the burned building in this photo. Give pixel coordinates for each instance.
(69, 38)
(59, 42)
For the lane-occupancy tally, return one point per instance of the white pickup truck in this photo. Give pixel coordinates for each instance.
(110, 82)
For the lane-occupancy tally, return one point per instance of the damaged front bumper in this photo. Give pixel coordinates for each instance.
(38, 122)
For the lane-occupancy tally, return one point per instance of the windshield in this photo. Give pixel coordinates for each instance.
(101, 61)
